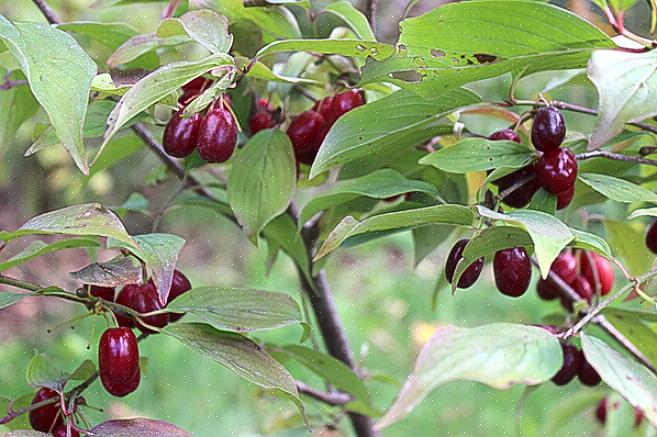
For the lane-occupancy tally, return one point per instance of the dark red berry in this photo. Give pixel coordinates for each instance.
(118, 361)
(180, 285)
(306, 133)
(263, 105)
(261, 121)
(549, 129)
(106, 293)
(638, 417)
(587, 374)
(125, 298)
(194, 88)
(583, 288)
(49, 416)
(518, 196)
(345, 102)
(651, 237)
(556, 171)
(181, 134)
(505, 135)
(471, 274)
(144, 299)
(546, 290)
(565, 266)
(565, 197)
(603, 268)
(512, 270)
(572, 358)
(325, 108)
(217, 135)
(601, 411)
(60, 431)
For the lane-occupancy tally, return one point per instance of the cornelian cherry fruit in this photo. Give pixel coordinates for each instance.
(217, 135)
(556, 171)
(549, 129)
(512, 270)
(572, 359)
(471, 274)
(505, 135)
(306, 135)
(49, 416)
(605, 273)
(118, 361)
(181, 134)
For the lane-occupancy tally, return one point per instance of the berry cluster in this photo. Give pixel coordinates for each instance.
(586, 272)
(601, 413)
(575, 364)
(555, 170)
(214, 134)
(308, 129)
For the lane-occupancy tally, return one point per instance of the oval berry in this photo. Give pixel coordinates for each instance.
(325, 109)
(194, 88)
(583, 288)
(520, 195)
(565, 197)
(180, 285)
(651, 237)
(49, 416)
(60, 431)
(572, 358)
(601, 411)
(125, 298)
(123, 388)
(546, 290)
(261, 121)
(118, 360)
(471, 274)
(345, 102)
(512, 270)
(306, 133)
(505, 135)
(145, 299)
(604, 270)
(565, 266)
(587, 374)
(549, 129)
(106, 293)
(181, 134)
(556, 171)
(217, 135)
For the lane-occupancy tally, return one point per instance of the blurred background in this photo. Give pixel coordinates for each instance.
(384, 299)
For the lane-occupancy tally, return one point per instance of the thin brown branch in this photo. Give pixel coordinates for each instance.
(329, 398)
(616, 157)
(47, 11)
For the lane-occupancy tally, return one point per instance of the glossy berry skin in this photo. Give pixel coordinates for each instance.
(512, 270)
(144, 299)
(325, 108)
(47, 417)
(180, 285)
(217, 135)
(583, 288)
(601, 411)
(505, 135)
(651, 237)
(565, 266)
(605, 272)
(572, 359)
(565, 197)
(181, 134)
(60, 431)
(546, 290)
(587, 374)
(118, 361)
(556, 171)
(306, 133)
(549, 129)
(106, 293)
(345, 102)
(260, 121)
(471, 274)
(522, 195)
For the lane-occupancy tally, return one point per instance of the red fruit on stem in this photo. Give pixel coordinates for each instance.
(125, 298)
(583, 288)
(651, 237)
(603, 268)
(194, 88)
(181, 134)
(145, 299)
(471, 274)
(217, 135)
(306, 134)
(180, 285)
(49, 416)
(549, 129)
(546, 290)
(556, 171)
(601, 411)
(587, 374)
(512, 270)
(565, 266)
(60, 431)
(263, 105)
(260, 121)
(325, 108)
(118, 361)
(572, 359)
(565, 197)
(505, 135)
(521, 195)
(345, 102)
(106, 293)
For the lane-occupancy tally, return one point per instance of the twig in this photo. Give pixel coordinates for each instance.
(372, 8)
(616, 157)
(18, 283)
(330, 398)
(47, 12)
(9, 84)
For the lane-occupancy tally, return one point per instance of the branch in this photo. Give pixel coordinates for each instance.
(24, 285)
(616, 157)
(371, 9)
(9, 84)
(330, 398)
(47, 12)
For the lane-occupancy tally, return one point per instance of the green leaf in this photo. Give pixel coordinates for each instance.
(156, 86)
(139, 45)
(113, 273)
(262, 180)
(88, 219)
(283, 232)
(380, 184)
(521, 36)
(111, 35)
(544, 202)
(8, 299)
(401, 220)
(627, 377)
(17, 104)
(343, 47)
(629, 245)
(627, 87)
(160, 254)
(354, 18)
(21, 423)
(639, 334)
(498, 355)
(206, 27)
(138, 427)
(59, 73)
(427, 238)
(650, 212)
(239, 310)
(83, 372)
(478, 154)
(618, 190)
(41, 372)
(239, 354)
(588, 241)
(38, 248)
(376, 128)
(548, 233)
